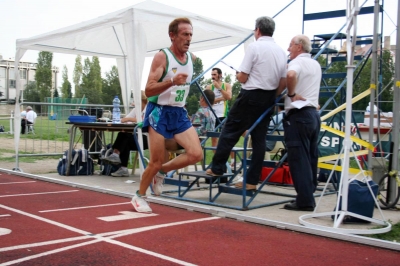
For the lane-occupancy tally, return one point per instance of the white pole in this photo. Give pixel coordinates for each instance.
(352, 12)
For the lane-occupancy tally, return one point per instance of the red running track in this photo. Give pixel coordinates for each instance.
(43, 223)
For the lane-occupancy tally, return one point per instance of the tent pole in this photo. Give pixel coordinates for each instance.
(396, 107)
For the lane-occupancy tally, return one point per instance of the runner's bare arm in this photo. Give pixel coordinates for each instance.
(153, 87)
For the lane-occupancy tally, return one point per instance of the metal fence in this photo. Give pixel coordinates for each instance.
(50, 135)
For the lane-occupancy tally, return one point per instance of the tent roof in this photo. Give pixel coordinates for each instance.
(104, 36)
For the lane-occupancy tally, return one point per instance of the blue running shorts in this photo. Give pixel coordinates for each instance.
(166, 120)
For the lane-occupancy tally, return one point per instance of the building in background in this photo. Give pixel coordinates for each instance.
(27, 72)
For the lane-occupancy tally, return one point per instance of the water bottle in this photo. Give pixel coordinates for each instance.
(116, 115)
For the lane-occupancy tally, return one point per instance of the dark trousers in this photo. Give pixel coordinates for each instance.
(125, 143)
(24, 123)
(302, 128)
(248, 107)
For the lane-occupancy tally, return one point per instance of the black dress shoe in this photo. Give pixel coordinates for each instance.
(293, 207)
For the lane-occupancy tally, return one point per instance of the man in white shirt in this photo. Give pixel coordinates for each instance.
(302, 126)
(29, 119)
(262, 75)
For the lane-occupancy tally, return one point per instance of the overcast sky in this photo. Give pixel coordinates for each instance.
(27, 18)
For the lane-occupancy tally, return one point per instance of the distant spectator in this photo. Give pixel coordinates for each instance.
(29, 119)
(368, 109)
(23, 114)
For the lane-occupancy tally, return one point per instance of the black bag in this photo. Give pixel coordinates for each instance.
(81, 163)
(360, 201)
(105, 167)
(324, 175)
(2, 128)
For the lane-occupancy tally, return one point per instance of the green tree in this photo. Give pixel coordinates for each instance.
(235, 92)
(111, 86)
(56, 93)
(43, 74)
(91, 86)
(386, 73)
(66, 85)
(363, 80)
(31, 94)
(77, 75)
(194, 93)
(197, 71)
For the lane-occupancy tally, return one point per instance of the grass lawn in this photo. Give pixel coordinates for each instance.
(393, 235)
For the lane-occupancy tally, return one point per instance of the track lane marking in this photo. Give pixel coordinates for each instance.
(39, 193)
(45, 243)
(67, 227)
(4, 231)
(85, 207)
(126, 215)
(5, 215)
(100, 238)
(10, 183)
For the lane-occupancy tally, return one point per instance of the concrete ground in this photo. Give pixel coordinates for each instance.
(273, 215)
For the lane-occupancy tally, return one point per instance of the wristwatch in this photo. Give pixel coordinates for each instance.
(291, 95)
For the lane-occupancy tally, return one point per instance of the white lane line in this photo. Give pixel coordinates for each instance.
(10, 183)
(124, 215)
(5, 215)
(67, 227)
(85, 207)
(45, 243)
(40, 193)
(118, 233)
(4, 231)
(99, 238)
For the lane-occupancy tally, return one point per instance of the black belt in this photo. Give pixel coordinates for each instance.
(295, 110)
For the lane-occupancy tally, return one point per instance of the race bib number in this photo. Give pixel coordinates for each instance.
(178, 95)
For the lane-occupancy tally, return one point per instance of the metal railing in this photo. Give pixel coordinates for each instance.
(50, 135)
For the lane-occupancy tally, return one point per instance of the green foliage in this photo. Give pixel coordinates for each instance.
(194, 93)
(235, 92)
(197, 71)
(31, 94)
(387, 70)
(363, 82)
(43, 74)
(77, 75)
(55, 93)
(192, 104)
(92, 83)
(111, 86)
(66, 85)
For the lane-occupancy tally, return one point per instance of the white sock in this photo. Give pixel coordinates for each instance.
(232, 161)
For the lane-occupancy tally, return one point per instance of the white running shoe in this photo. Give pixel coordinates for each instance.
(121, 172)
(113, 158)
(140, 204)
(158, 183)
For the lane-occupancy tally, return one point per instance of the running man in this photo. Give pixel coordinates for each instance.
(166, 118)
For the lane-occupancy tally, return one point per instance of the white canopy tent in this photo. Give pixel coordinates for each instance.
(128, 35)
